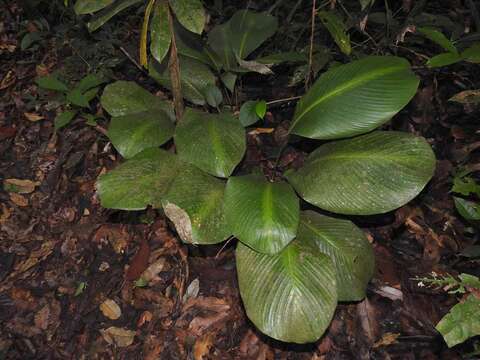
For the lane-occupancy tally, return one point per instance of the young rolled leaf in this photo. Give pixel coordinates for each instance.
(337, 29)
(248, 30)
(83, 7)
(190, 14)
(101, 17)
(261, 214)
(126, 98)
(369, 174)
(348, 248)
(133, 133)
(438, 38)
(194, 204)
(195, 78)
(161, 37)
(140, 181)
(213, 142)
(290, 296)
(355, 98)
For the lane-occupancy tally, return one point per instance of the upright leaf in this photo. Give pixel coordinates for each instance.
(346, 245)
(161, 37)
(101, 17)
(190, 14)
(141, 181)
(248, 30)
(355, 98)
(261, 214)
(369, 174)
(83, 7)
(213, 142)
(220, 43)
(194, 204)
(290, 296)
(144, 33)
(337, 30)
(195, 78)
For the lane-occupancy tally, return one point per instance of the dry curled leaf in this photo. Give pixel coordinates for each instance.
(33, 116)
(110, 309)
(118, 336)
(202, 347)
(18, 199)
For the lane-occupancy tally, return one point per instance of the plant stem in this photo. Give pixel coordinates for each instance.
(283, 100)
(174, 70)
(310, 52)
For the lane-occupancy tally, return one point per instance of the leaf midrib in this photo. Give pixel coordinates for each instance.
(347, 86)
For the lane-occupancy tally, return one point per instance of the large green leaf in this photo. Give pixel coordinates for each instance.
(190, 14)
(213, 142)
(127, 97)
(369, 174)
(160, 31)
(290, 296)
(248, 30)
(219, 42)
(261, 214)
(355, 98)
(469, 210)
(337, 29)
(83, 7)
(462, 322)
(194, 204)
(195, 78)
(106, 14)
(140, 181)
(346, 245)
(133, 133)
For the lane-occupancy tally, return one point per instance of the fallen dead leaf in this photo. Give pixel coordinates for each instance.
(139, 262)
(387, 339)
(18, 199)
(118, 336)
(467, 97)
(6, 212)
(202, 347)
(151, 273)
(110, 309)
(20, 186)
(33, 116)
(8, 80)
(41, 318)
(117, 236)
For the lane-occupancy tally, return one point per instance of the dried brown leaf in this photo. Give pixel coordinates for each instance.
(18, 199)
(118, 336)
(110, 309)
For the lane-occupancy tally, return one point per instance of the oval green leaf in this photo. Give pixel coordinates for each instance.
(346, 245)
(290, 296)
(261, 214)
(369, 174)
(469, 210)
(194, 204)
(127, 97)
(140, 181)
(444, 59)
(248, 30)
(438, 38)
(355, 98)
(213, 142)
(160, 31)
(133, 133)
(190, 14)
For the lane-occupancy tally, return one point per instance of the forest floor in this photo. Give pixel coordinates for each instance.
(64, 259)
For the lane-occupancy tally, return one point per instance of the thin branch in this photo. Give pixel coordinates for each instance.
(310, 52)
(125, 52)
(283, 100)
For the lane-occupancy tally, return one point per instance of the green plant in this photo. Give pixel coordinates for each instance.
(452, 54)
(463, 320)
(465, 186)
(293, 266)
(74, 100)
